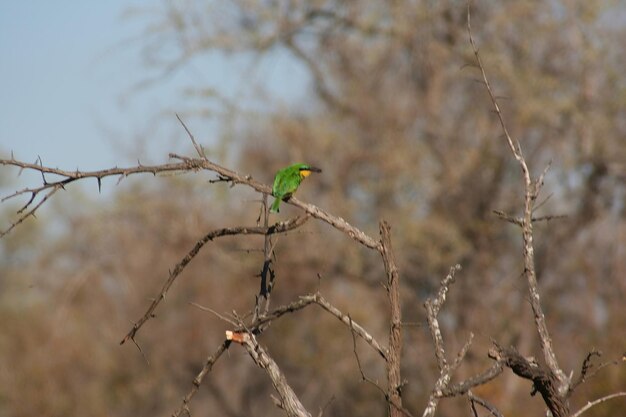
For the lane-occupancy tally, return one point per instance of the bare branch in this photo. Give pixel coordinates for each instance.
(215, 313)
(208, 365)
(598, 401)
(513, 145)
(257, 325)
(465, 386)
(198, 148)
(323, 409)
(530, 195)
(518, 221)
(485, 404)
(289, 401)
(335, 221)
(228, 231)
(358, 361)
(544, 381)
(433, 305)
(191, 164)
(588, 370)
(432, 308)
(71, 176)
(322, 302)
(29, 213)
(392, 403)
(67, 178)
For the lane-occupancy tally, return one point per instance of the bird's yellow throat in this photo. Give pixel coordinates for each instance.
(305, 173)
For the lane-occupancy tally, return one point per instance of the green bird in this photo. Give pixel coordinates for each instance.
(287, 181)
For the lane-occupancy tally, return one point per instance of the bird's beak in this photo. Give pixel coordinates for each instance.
(305, 172)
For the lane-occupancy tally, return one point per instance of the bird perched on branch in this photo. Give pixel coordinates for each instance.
(287, 181)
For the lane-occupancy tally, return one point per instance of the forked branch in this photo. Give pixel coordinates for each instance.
(531, 192)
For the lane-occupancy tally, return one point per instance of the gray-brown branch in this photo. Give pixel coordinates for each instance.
(208, 365)
(531, 192)
(544, 381)
(433, 306)
(280, 227)
(394, 351)
(289, 401)
(186, 164)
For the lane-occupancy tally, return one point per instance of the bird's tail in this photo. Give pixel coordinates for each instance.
(275, 206)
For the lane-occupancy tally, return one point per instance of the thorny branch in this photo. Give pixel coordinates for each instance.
(69, 177)
(280, 227)
(186, 164)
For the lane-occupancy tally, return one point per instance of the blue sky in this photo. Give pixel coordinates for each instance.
(66, 76)
(60, 77)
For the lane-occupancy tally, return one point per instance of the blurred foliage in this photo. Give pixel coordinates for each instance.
(403, 132)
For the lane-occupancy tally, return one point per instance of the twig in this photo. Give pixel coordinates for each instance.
(199, 149)
(519, 221)
(484, 403)
(208, 365)
(358, 361)
(465, 386)
(30, 212)
(322, 302)
(258, 325)
(215, 313)
(598, 401)
(588, 370)
(392, 403)
(323, 409)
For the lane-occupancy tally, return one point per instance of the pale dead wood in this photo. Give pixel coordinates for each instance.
(433, 306)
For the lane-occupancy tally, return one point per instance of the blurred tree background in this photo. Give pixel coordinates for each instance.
(403, 132)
